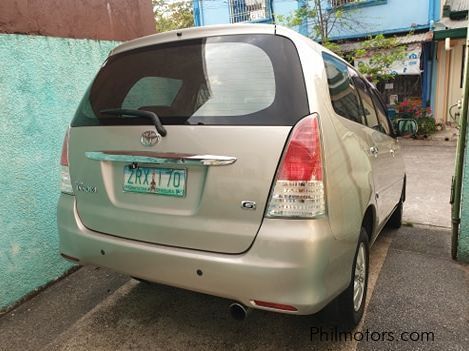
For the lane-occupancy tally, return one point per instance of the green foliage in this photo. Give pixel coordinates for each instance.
(426, 125)
(321, 21)
(172, 15)
(413, 110)
(334, 47)
(382, 53)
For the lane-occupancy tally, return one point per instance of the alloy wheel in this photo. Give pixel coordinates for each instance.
(359, 278)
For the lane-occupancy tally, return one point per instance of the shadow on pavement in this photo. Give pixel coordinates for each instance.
(159, 317)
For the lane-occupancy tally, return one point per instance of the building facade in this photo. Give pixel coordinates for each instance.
(450, 39)
(377, 16)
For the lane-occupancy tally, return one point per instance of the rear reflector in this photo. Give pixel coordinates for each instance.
(65, 183)
(64, 155)
(299, 189)
(277, 306)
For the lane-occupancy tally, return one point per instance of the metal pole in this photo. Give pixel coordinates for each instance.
(458, 173)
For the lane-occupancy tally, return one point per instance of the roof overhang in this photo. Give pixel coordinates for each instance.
(402, 40)
(453, 33)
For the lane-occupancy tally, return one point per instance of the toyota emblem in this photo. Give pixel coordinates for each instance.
(150, 138)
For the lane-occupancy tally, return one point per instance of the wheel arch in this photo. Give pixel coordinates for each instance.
(404, 188)
(369, 221)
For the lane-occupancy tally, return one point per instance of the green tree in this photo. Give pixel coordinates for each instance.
(170, 15)
(321, 21)
(381, 54)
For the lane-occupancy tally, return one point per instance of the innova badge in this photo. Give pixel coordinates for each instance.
(150, 138)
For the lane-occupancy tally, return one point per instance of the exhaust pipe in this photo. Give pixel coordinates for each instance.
(238, 311)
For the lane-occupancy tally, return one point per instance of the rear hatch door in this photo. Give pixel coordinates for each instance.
(228, 104)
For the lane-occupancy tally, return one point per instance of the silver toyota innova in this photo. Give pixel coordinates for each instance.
(242, 161)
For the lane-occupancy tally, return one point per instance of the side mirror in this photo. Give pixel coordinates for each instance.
(406, 127)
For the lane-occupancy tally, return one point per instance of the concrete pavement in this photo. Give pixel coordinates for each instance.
(429, 167)
(421, 289)
(41, 319)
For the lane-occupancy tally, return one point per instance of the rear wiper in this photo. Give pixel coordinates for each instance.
(121, 112)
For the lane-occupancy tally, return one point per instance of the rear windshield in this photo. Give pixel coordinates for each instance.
(228, 80)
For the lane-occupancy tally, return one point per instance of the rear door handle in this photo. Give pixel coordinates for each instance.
(374, 151)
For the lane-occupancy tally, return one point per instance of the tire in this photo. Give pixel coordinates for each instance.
(395, 221)
(351, 310)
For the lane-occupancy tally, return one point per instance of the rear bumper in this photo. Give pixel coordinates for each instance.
(296, 262)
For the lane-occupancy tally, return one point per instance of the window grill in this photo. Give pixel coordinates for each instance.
(338, 3)
(250, 10)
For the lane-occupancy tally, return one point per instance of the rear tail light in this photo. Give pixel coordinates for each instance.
(65, 183)
(299, 189)
(276, 306)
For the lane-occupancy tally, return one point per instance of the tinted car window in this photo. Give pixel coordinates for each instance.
(152, 91)
(343, 93)
(367, 103)
(382, 114)
(228, 80)
(246, 88)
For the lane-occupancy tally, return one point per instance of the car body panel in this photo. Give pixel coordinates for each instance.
(343, 144)
(210, 216)
(346, 146)
(277, 267)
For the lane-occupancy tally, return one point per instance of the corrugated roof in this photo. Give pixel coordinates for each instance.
(407, 39)
(458, 5)
(446, 23)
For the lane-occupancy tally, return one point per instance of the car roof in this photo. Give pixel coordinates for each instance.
(194, 33)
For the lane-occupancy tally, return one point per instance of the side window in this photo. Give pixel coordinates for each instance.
(343, 93)
(382, 115)
(367, 102)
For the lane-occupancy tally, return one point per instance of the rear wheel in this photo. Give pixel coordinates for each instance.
(351, 302)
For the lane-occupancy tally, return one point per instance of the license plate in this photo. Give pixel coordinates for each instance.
(160, 181)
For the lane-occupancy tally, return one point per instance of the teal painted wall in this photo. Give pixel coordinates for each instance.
(463, 243)
(42, 80)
